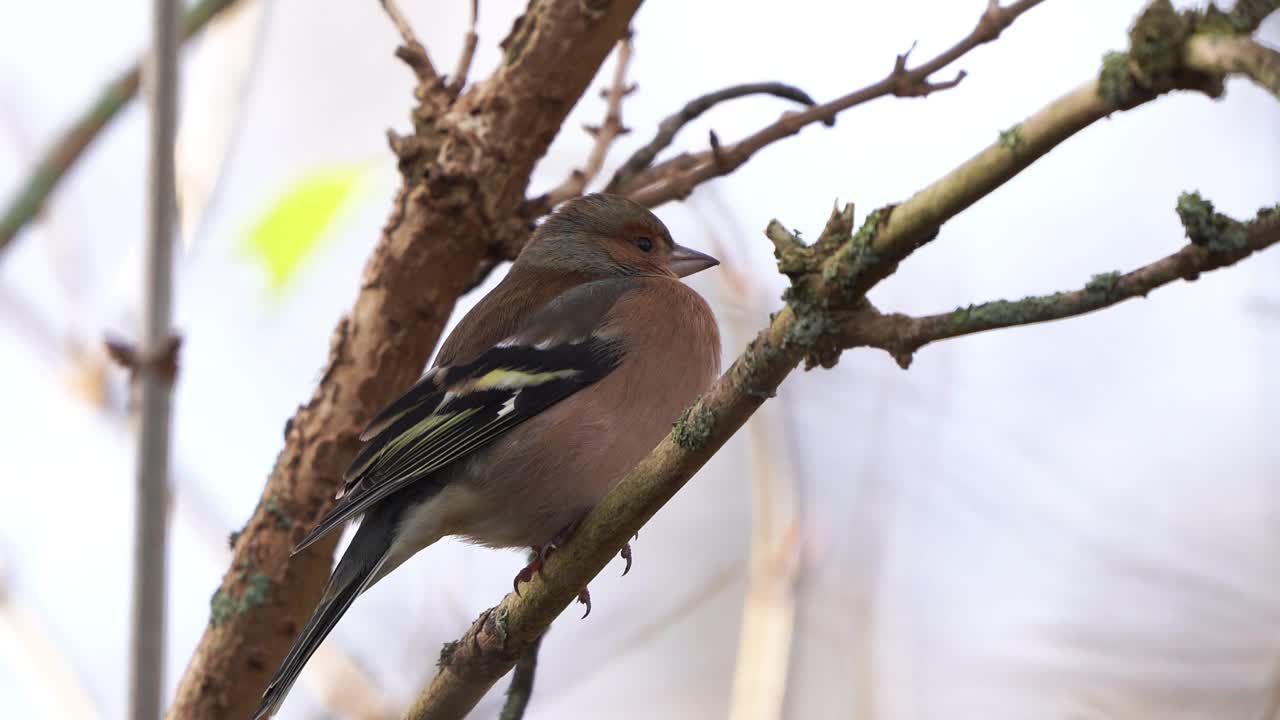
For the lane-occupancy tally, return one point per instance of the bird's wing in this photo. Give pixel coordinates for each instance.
(453, 411)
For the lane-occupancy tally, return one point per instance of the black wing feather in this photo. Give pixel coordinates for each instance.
(451, 412)
(425, 393)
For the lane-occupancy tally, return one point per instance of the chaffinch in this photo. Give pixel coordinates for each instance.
(555, 385)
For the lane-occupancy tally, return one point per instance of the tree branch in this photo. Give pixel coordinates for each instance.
(1225, 243)
(464, 169)
(677, 177)
(829, 278)
(469, 41)
(667, 129)
(412, 52)
(31, 197)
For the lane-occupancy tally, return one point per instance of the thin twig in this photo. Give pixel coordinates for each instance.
(31, 197)
(521, 689)
(667, 129)
(1232, 241)
(151, 499)
(412, 52)
(469, 42)
(677, 177)
(604, 135)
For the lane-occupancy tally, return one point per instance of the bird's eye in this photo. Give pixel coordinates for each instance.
(644, 242)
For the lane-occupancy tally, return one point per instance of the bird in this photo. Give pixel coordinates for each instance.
(547, 392)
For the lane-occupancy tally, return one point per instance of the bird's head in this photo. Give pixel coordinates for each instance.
(610, 236)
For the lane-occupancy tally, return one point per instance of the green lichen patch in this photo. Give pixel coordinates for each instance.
(278, 512)
(1103, 284)
(1207, 228)
(1247, 15)
(1115, 82)
(1012, 139)
(810, 318)
(857, 255)
(808, 329)
(225, 605)
(870, 226)
(1155, 43)
(693, 429)
(1216, 22)
(446, 653)
(1003, 313)
(1153, 62)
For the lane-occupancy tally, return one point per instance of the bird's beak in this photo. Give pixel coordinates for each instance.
(686, 261)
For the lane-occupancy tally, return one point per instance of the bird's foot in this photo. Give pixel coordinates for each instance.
(533, 568)
(540, 555)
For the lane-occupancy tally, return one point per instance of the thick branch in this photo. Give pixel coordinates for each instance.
(465, 170)
(832, 278)
(34, 193)
(677, 177)
(1233, 241)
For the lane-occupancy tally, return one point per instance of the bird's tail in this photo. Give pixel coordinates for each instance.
(357, 570)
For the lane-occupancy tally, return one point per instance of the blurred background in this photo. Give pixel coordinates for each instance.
(1073, 520)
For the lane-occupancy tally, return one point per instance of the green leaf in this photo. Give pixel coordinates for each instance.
(302, 216)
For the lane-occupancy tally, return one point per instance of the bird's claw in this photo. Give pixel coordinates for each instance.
(540, 555)
(626, 555)
(533, 568)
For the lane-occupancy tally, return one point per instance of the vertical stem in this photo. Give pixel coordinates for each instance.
(520, 690)
(146, 682)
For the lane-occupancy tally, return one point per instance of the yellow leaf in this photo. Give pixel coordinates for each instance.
(293, 227)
